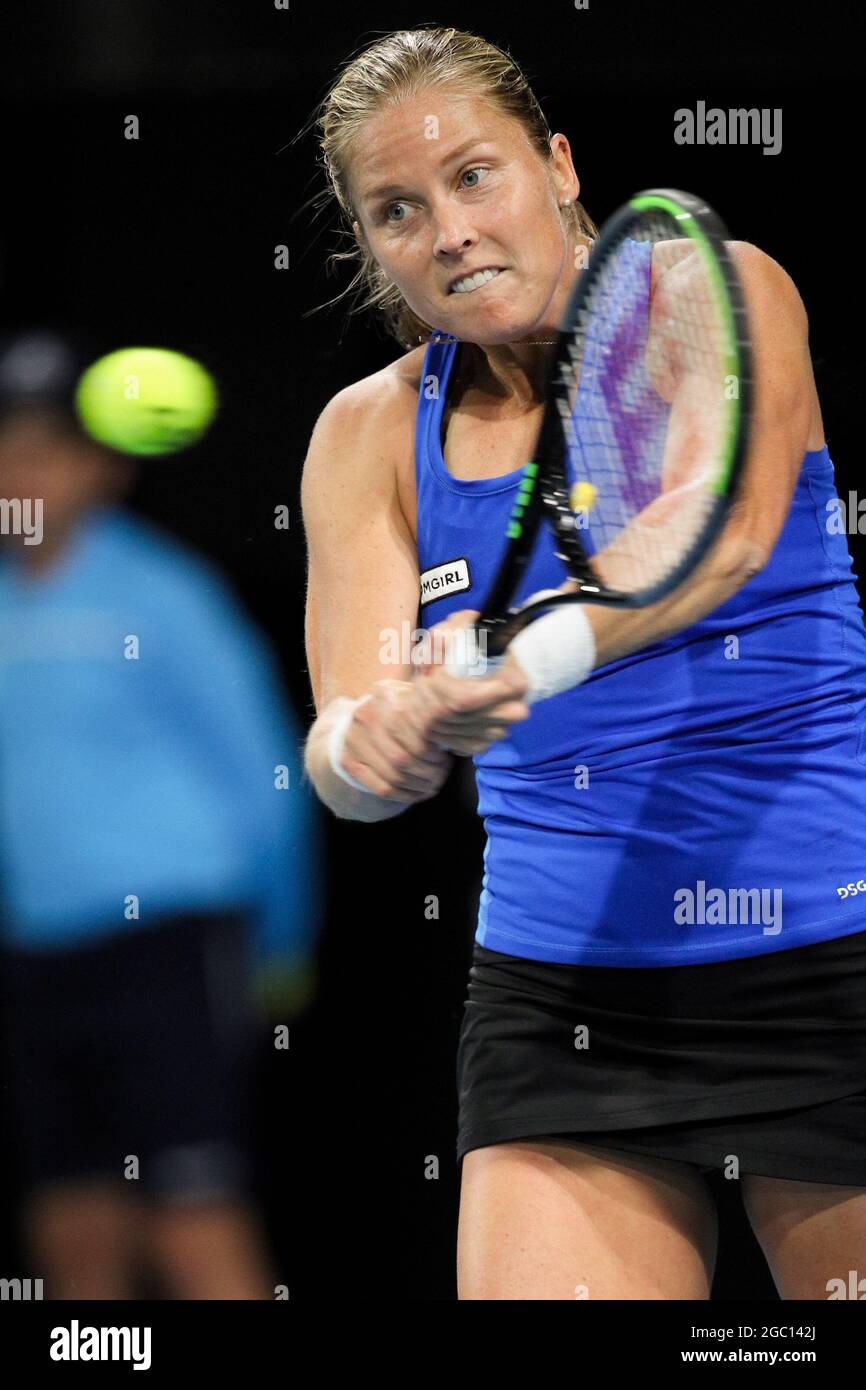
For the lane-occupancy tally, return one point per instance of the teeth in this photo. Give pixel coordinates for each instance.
(473, 282)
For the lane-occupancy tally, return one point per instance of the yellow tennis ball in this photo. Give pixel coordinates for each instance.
(582, 496)
(146, 400)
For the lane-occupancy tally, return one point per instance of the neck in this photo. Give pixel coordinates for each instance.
(519, 371)
(514, 371)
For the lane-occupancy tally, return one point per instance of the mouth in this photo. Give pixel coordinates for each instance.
(466, 284)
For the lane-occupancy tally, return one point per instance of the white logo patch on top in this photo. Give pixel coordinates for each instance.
(449, 578)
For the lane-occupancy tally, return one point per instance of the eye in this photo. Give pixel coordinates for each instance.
(395, 221)
(477, 169)
(397, 212)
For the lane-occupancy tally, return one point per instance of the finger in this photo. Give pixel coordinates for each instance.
(373, 782)
(469, 747)
(392, 762)
(492, 733)
(443, 718)
(406, 734)
(439, 639)
(464, 726)
(474, 697)
(478, 722)
(386, 784)
(398, 721)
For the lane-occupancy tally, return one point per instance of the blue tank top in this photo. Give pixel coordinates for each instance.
(700, 800)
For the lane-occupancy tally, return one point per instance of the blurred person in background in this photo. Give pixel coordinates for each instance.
(157, 877)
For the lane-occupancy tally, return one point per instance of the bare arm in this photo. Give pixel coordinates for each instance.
(362, 598)
(362, 578)
(783, 389)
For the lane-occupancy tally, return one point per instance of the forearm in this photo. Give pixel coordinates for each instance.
(344, 800)
(730, 564)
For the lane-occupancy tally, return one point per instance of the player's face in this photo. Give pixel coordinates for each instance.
(445, 186)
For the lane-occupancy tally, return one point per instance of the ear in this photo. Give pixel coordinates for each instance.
(359, 233)
(566, 181)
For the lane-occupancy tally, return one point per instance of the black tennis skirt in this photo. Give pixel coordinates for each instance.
(761, 1059)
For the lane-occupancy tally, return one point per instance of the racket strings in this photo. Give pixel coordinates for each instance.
(653, 465)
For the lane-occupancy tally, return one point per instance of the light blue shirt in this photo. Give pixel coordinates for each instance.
(144, 737)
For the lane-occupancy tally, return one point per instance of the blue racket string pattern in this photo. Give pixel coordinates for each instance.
(616, 414)
(646, 423)
(623, 451)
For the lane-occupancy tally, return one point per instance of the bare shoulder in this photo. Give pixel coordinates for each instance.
(365, 428)
(364, 440)
(767, 286)
(383, 399)
(778, 327)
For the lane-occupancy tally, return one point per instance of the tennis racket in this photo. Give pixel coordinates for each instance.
(646, 421)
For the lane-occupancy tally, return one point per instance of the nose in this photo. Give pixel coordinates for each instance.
(453, 233)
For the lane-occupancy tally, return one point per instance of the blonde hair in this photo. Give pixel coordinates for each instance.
(388, 71)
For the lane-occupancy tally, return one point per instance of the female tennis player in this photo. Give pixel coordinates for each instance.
(669, 970)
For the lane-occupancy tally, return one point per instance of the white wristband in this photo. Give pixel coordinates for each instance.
(337, 739)
(557, 651)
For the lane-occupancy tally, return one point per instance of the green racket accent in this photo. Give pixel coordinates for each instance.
(524, 496)
(652, 200)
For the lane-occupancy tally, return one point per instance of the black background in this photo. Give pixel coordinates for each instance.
(170, 240)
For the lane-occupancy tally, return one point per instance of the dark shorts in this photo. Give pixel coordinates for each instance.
(761, 1059)
(135, 1047)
